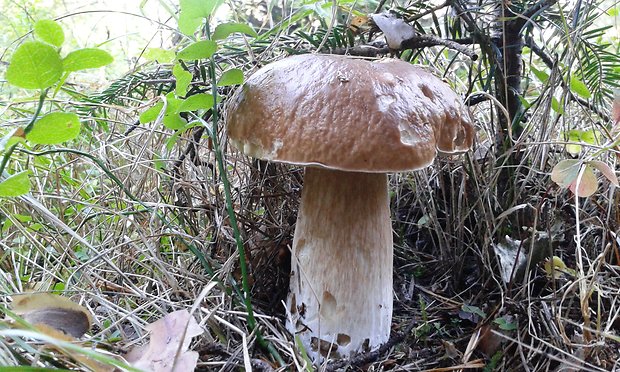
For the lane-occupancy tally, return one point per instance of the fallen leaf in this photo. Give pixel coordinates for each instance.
(167, 349)
(605, 171)
(52, 311)
(585, 185)
(395, 29)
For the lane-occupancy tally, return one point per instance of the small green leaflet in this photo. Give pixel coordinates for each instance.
(222, 31)
(34, 65)
(50, 32)
(196, 102)
(55, 128)
(151, 113)
(231, 77)
(200, 8)
(183, 78)
(15, 185)
(578, 87)
(193, 12)
(199, 50)
(473, 310)
(86, 58)
(541, 75)
(158, 54)
(506, 323)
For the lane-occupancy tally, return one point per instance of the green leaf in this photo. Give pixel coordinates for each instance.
(151, 114)
(158, 54)
(86, 58)
(200, 8)
(183, 77)
(198, 50)
(557, 106)
(196, 102)
(54, 128)
(193, 12)
(473, 310)
(15, 185)
(591, 136)
(578, 87)
(222, 31)
(573, 135)
(231, 77)
(541, 75)
(34, 65)
(174, 121)
(188, 24)
(506, 323)
(49, 31)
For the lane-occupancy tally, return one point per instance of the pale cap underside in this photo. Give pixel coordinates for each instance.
(348, 114)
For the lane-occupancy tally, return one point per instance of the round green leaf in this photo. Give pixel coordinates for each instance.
(233, 76)
(34, 65)
(158, 54)
(222, 31)
(86, 58)
(15, 185)
(151, 114)
(183, 78)
(196, 102)
(577, 86)
(198, 50)
(49, 31)
(55, 128)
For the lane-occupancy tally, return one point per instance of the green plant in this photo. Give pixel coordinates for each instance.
(38, 65)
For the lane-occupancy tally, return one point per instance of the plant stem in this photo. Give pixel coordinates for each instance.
(232, 216)
(9, 151)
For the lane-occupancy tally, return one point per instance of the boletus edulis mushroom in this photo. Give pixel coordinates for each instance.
(349, 122)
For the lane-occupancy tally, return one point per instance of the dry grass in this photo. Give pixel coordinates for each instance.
(130, 255)
(129, 262)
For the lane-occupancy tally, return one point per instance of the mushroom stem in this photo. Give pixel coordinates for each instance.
(340, 295)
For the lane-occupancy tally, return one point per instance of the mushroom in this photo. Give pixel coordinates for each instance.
(349, 121)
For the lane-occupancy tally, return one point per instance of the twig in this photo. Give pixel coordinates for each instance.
(378, 48)
(422, 41)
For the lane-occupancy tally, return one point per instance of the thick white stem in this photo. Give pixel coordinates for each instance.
(340, 296)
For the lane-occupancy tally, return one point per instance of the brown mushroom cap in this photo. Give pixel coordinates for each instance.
(348, 114)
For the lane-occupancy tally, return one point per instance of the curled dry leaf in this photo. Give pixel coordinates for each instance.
(605, 171)
(59, 313)
(585, 185)
(167, 349)
(395, 29)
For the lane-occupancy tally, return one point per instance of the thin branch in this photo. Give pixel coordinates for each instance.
(422, 41)
(532, 11)
(428, 11)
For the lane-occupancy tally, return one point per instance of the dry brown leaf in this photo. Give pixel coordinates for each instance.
(52, 311)
(167, 349)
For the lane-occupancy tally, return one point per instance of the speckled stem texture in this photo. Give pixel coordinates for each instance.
(340, 298)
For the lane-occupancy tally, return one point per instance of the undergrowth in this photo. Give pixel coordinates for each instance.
(149, 240)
